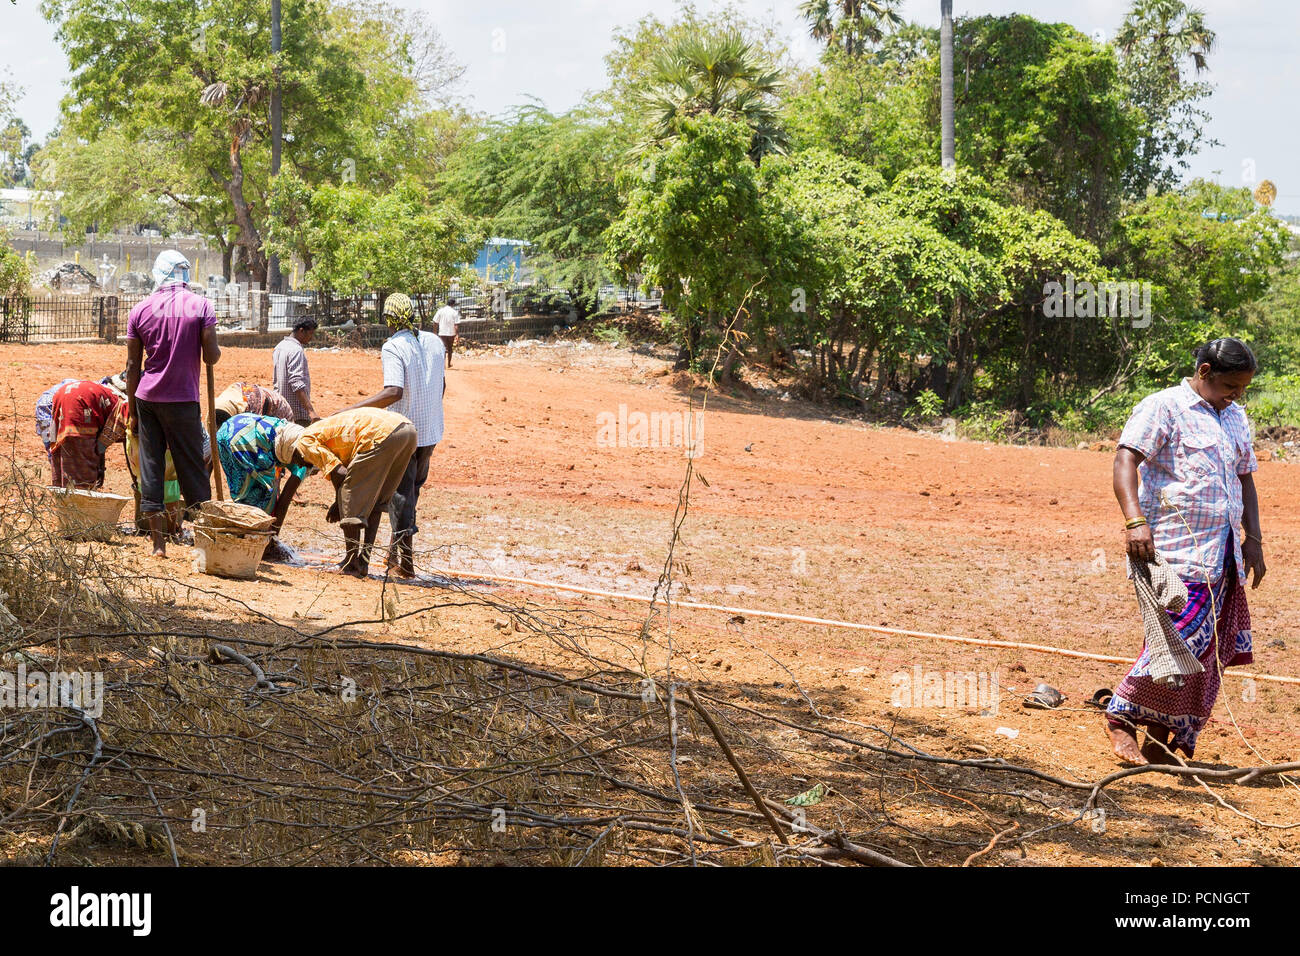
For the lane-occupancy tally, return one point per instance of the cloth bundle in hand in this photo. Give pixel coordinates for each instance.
(1159, 591)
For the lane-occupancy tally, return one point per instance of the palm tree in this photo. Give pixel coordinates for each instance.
(855, 25)
(1154, 43)
(1173, 29)
(720, 74)
(949, 145)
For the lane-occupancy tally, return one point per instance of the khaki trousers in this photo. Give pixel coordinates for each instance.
(373, 476)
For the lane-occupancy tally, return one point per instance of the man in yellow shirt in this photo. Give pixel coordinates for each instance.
(365, 452)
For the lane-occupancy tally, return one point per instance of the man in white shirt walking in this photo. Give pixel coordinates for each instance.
(448, 320)
(414, 384)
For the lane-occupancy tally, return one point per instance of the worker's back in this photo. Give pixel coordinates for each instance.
(169, 324)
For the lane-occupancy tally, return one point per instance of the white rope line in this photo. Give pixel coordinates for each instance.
(829, 622)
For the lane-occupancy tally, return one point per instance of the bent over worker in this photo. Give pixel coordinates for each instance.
(45, 415)
(87, 418)
(365, 452)
(251, 448)
(245, 398)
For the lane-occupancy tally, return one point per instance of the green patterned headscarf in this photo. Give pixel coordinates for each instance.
(398, 312)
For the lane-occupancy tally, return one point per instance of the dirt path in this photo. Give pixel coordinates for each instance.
(799, 515)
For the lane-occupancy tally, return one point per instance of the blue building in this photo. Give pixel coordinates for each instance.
(501, 260)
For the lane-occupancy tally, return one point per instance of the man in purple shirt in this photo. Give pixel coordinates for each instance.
(165, 335)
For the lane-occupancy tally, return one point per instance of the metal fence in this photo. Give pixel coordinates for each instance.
(489, 317)
(283, 311)
(64, 318)
(102, 318)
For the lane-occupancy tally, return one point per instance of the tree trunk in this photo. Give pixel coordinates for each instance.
(945, 79)
(275, 280)
(250, 238)
(227, 250)
(239, 264)
(729, 362)
(938, 377)
(1028, 367)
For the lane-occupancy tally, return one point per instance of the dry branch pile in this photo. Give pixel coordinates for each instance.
(231, 738)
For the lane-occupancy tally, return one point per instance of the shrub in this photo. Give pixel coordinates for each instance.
(15, 271)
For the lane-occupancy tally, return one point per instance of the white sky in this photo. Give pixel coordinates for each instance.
(553, 50)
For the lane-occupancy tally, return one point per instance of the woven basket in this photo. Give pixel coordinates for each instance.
(229, 555)
(87, 515)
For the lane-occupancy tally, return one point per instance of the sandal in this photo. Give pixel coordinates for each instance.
(1101, 699)
(1044, 697)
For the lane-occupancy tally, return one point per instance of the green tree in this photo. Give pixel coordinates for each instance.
(997, 323)
(853, 26)
(696, 230)
(1204, 271)
(714, 74)
(357, 241)
(635, 49)
(192, 81)
(9, 94)
(1041, 114)
(14, 137)
(550, 180)
(1205, 266)
(1158, 42)
(865, 287)
(15, 271)
(1040, 111)
(875, 110)
(407, 126)
(1273, 322)
(98, 189)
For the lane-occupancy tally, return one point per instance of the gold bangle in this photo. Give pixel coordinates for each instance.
(1132, 523)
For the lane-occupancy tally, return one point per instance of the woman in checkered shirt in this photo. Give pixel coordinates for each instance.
(1191, 447)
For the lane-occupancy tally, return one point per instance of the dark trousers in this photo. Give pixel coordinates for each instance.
(401, 508)
(448, 341)
(176, 427)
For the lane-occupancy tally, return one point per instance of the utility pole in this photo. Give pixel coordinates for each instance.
(274, 280)
(945, 80)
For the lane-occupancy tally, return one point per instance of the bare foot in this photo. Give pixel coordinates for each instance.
(1156, 749)
(157, 537)
(1124, 743)
(349, 570)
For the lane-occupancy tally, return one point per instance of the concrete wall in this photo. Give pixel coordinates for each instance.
(128, 253)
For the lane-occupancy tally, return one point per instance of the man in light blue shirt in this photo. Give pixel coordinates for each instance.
(414, 384)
